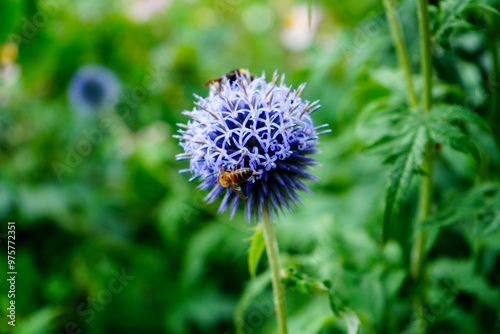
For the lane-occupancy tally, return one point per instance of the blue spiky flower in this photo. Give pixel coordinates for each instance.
(252, 123)
(93, 88)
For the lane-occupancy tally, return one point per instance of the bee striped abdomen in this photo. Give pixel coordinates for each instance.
(241, 175)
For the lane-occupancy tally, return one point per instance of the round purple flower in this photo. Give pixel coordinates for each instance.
(251, 123)
(92, 88)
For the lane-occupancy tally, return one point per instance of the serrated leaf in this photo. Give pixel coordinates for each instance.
(440, 220)
(379, 111)
(461, 276)
(450, 18)
(444, 133)
(448, 112)
(257, 246)
(478, 209)
(401, 176)
(399, 136)
(382, 141)
(393, 157)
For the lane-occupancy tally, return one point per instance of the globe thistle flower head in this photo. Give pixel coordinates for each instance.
(255, 124)
(92, 88)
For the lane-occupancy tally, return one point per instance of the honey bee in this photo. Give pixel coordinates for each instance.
(232, 179)
(232, 76)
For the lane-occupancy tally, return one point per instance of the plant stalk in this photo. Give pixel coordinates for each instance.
(494, 83)
(398, 37)
(417, 265)
(424, 208)
(275, 265)
(425, 45)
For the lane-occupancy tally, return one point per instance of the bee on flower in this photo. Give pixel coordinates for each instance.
(262, 128)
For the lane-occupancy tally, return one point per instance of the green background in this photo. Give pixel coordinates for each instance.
(124, 207)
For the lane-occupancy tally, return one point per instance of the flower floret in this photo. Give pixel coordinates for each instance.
(260, 125)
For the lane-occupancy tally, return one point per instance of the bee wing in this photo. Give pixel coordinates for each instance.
(237, 190)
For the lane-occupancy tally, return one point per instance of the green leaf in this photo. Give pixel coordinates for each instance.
(336, 305)
(443, 36)
(393, 157)
(444, 133)
(198, 249)
(420, 171)
(489, 223)
(394, 281)
(461, 276)
(484, 7)
(451, 8)
(312, 318)
(402, 127)
(304, 284)
(39, 321)
(478, 210)
(449, 18)
(257, 246)
(374, 108)
(382, 141)
(448, 112)
(402, 173)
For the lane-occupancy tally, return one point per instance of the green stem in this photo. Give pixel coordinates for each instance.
(398, 37)
(274, 263)
(495, 74)
(417, 265)
(425, 45)
(424, 207)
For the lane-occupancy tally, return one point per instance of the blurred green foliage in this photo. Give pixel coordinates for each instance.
(122, 243)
